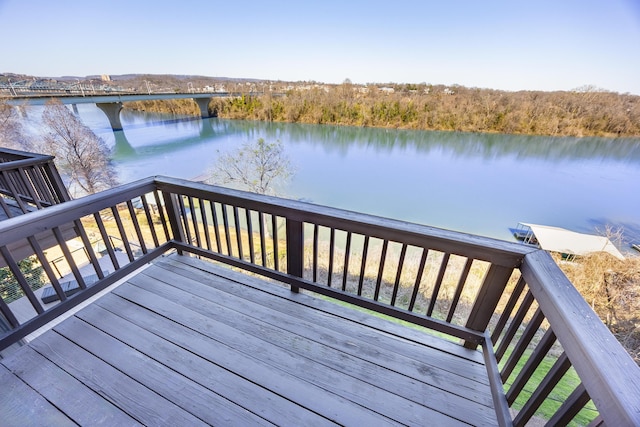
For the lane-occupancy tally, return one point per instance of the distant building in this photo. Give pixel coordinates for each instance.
(105, 78)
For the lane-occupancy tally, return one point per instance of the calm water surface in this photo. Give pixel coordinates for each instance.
(476, 183)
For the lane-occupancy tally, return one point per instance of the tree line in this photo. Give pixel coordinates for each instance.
(586, 111)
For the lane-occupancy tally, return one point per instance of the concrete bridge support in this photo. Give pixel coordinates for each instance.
(203, 104)
(112, 110)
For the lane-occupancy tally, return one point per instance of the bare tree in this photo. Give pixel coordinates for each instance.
(81, 156)
(258, 167)
(10, 127)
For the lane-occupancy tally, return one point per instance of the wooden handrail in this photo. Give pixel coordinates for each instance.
(608, 372)
(231, 226)
(31, 180)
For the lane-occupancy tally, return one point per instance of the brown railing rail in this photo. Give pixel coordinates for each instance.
(535, 330)
(28, 181)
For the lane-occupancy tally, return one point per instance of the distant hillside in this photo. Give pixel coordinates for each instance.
(586, 111)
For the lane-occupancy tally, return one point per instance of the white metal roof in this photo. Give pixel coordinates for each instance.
(558, 239)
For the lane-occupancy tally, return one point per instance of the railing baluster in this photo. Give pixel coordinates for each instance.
(69, 257)
(17, 274)
(396, 284)
(216, 227)
(514, 326)
(263, 246)
(276, 254)
(184, 219)
(436, 287)
(29, 189)
(315, 253)
(205, 222)
(508, 309)
(9, 182)
(363, 264)
(163, 220)
(570, 407)
(345, 269)
(236, 221)
(106, 240)
(8, 314)
(147, 213)
(5, 208)
(136, 226)
(332, 241)
(597, 422)
(418, 281)
(88, 248)
(48, 187)
(194, 221)
(459, 288)
(123, 233)
(37, 181)
(56, 181)
(51, 275)
(225, 224)
(522, 344)
(555, 374)
(383, 258)
(530, 366)
(252, 252)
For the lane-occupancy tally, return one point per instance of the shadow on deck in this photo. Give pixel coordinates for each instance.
(186, 342)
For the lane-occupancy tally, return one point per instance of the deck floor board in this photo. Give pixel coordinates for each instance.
(187, 342)
(427, 385)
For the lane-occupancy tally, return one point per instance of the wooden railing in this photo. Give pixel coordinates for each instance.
(541, 341)
(28, 181)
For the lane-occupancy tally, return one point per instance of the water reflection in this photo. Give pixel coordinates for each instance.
(339, 139)
(476, 183)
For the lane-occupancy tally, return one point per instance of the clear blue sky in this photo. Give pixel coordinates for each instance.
(501, 44)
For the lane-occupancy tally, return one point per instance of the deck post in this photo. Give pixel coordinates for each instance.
(174, 218)
(485, 304)
(294, 250)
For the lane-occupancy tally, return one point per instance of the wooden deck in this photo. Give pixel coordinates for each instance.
(186, 342)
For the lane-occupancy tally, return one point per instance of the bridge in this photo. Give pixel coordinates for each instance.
(111, 104)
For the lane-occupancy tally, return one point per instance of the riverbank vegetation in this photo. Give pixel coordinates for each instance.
(612, 288)
(583, 112)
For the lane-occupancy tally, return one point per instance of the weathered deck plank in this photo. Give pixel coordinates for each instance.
(140, 402)
(329, 347)
(85, 407)
(308, 394)
(186, 342)
(194, 361)
(19, 402)
(356, 317)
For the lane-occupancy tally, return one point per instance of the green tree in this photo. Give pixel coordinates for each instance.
(259, 167)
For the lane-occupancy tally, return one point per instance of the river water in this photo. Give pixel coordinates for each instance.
(475, 183)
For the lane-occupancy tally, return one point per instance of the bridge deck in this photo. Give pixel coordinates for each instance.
(185, 342)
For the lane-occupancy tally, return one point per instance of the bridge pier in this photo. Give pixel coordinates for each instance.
(112, 111)
(203, 104)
